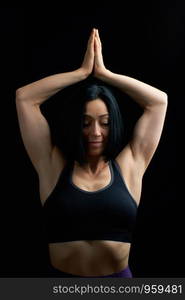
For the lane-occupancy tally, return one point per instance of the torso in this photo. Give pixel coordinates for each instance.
(91, 258)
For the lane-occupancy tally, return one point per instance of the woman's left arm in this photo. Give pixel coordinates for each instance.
(149, 127)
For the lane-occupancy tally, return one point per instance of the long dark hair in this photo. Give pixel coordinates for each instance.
(71, 139)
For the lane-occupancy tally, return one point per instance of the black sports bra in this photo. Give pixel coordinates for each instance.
(71, 213)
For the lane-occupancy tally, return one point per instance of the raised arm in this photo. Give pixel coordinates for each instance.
(149, 127)
(34, 127)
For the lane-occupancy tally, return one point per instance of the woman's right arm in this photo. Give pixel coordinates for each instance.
(34, 127)
(39, 91)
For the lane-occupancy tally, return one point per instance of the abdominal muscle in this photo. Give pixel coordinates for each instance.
(89, 258)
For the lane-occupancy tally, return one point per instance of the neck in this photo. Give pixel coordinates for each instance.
(94, 165)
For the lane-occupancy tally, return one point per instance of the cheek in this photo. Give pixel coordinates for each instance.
(85, 132)
(106, 132)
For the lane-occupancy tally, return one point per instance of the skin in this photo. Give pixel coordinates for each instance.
(96, 129)
(91, 258)
(91, 177)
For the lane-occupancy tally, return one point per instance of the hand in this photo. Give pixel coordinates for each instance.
(99, 67)
(88, 61)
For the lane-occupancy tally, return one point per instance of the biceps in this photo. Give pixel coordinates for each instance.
(35, 133)
(147, 133)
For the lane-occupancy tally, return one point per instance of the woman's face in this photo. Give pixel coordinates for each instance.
(95, 127)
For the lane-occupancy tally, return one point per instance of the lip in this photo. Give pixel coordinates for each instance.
(95, 142)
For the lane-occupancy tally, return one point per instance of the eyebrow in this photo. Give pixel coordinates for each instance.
(105, 115)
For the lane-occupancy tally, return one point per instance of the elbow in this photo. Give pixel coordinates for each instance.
(19, 94)
(164, 98)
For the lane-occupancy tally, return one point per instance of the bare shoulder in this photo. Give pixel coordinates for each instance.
(132, 172)
(49, 176)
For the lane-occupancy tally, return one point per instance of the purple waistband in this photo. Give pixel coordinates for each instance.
(57, 273)
(124, 273)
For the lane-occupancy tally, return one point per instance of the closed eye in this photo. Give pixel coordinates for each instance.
(88, 124)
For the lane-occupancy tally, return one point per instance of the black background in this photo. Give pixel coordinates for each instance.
(144, 41)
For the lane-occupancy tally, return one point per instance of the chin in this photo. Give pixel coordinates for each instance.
(95, 153)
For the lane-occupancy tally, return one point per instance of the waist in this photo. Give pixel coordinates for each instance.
(89, 258)
(116, 235)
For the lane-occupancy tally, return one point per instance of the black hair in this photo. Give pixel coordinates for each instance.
(71, 141)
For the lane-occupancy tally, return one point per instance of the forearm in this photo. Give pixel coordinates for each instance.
(144, 94)
(39, 91)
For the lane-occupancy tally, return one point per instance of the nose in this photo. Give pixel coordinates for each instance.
(95, 129)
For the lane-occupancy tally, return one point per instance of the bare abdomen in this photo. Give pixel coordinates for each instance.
(89, 258)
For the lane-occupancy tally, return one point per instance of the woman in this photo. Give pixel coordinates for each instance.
(90, 203)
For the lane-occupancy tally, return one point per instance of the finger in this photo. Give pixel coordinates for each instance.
(98, 36)
(91, 38)
(98, 44)
(91, 35)
(95, 43)
(98, 39)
